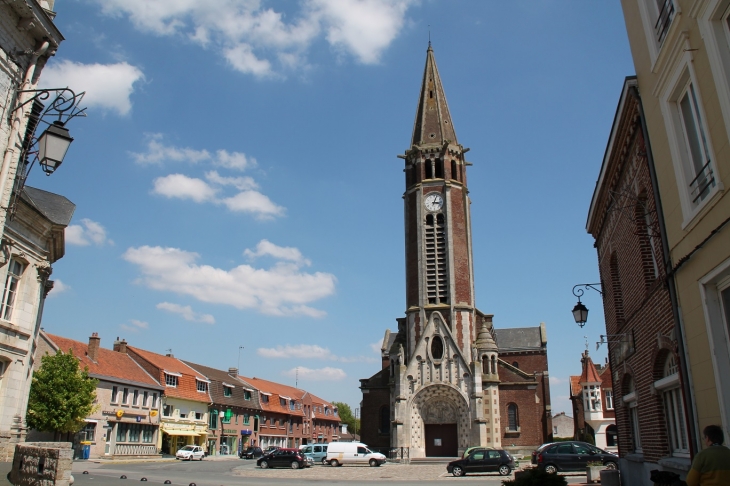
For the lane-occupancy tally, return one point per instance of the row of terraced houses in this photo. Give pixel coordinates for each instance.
(149, 403)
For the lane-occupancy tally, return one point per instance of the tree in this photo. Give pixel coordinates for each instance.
(61, 394)
(346, 417)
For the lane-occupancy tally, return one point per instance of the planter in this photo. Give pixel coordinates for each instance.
(593, 473)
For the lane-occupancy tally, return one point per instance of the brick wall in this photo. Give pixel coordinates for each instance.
(637, 303)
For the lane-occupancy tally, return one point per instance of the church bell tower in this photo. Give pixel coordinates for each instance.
(439, 269)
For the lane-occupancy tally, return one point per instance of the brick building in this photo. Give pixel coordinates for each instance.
(233, 414)
(591, 394)
(321, 418)
(448, 379)
(126, 421)
(185, 414)
(282, 420)
(626, 221)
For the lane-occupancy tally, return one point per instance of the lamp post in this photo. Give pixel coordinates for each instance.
(580, 311)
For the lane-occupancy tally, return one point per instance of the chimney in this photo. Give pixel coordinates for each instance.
(93, 349)
(233, 371)
(120, 346)
(170, 355)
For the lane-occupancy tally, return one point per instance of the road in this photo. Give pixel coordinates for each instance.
(239, 472)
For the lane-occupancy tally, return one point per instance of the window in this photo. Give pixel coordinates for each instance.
(437, 348)
(697, 164)
(247, 395)
(631, 400)
(436, 278)
(611, 436)
(201, 385)
(609, 398)
(115, 390)
(122, 430)
(656, 17)
(246, 418)
(144, 399)
(513, 418)
(125, 395)
(264, 398)
(282, 402)
(170, 380)
(88, 432)
(167, 411)
(213, 419)
(135, 397)
(154, 400)
(673, 407)
(134, 432)
(15, 270)
(454, 171)
(148, 432)
(198, 415)
(227, 391)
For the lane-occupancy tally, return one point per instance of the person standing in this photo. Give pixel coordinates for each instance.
(711, 467)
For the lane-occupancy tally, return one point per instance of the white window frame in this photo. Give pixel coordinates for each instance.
(649, 11)
(675, 88)
(713, 24)
(673, 408)
(632, 402)
(15, 270)
(201, 385)
(712, 286)
(171, 380)
(608, 393)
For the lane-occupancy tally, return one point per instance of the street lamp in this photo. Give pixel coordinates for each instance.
(52, 146)
(580, 312)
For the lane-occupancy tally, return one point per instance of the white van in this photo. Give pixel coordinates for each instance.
(339, 453)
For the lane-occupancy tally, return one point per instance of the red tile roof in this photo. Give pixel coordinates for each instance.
(589, 375)
(276, 391)
(187, 383)
(109, 364)
(319, 402)
(575, 387)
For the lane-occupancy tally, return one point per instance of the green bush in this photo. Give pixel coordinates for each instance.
(536, 477)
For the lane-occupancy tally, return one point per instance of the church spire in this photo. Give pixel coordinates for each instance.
(433, 121)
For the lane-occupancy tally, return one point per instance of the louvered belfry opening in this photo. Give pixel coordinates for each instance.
(436, 278)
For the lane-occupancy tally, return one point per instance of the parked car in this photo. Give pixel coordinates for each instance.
(483, 460)
(318, 452)
(271, 449)
(251, 453)
(190, 452)
(339, 453)
(571, 456)
(292, 458)
(470, 449)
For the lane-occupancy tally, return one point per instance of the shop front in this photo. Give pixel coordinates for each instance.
(174, 437)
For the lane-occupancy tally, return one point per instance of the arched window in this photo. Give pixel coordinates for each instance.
(436, 277)
(630, 398)
(485, 365)
(384, 420)
(513, 418)
(515, 364)
(454, 171)
(611, 436)
(494, 365)
(437, 348)
(673, 405)
(429, 168)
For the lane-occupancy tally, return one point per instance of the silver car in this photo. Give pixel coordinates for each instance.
(190, 452)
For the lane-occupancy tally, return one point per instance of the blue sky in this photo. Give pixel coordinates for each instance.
(236, 178)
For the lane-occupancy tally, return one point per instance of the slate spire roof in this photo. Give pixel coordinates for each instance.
(433, 121)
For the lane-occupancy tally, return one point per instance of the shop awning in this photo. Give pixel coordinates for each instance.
(187, 433)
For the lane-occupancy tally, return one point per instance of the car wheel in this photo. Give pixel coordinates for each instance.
(504, 470)
(294, 465)
(457, 471)
(373, 463)
(610, 465)
(264, 464)
(550, 469)
(334, 463)
(324, 461)
(202, 456)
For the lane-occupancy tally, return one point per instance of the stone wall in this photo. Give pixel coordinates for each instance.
(42, 464)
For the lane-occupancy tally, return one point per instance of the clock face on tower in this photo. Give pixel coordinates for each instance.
(434, 201)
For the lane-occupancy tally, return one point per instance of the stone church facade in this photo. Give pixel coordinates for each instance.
(450, 380)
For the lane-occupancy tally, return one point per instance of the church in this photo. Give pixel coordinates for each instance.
(450, 379)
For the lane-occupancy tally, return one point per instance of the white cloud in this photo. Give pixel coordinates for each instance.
(86, 233)
(253, 202)
(158, 152)
(135, 326)
(266, 248)
(107, 86)
(321, 374)
(58, 288)
(183, 187)
(240, 183)
(282, 290)
(233, 160)
(308, 351)
(186, 312)
(265, 43)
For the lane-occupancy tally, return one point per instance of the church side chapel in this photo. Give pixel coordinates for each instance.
(450, 379)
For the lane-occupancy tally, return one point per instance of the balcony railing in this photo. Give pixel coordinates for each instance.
(664, 21)
(700, 185)
(135, 450)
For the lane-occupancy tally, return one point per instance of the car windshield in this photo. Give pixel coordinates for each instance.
(188, 448)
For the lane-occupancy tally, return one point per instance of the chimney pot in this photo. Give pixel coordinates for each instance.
(120, 346)
(233, 371)
(93, 349)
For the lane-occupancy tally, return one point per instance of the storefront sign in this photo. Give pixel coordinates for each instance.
(230, 431)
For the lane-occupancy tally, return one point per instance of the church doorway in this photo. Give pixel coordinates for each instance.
(441, 440)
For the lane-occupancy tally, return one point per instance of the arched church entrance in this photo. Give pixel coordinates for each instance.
(442, 412)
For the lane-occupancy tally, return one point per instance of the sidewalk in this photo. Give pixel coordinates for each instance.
(162, 458)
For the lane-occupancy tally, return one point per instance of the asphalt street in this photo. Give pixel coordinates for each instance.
(238, 472)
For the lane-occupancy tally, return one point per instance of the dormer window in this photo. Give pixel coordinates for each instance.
(171, 379)
(201, 385)
(227, 391)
